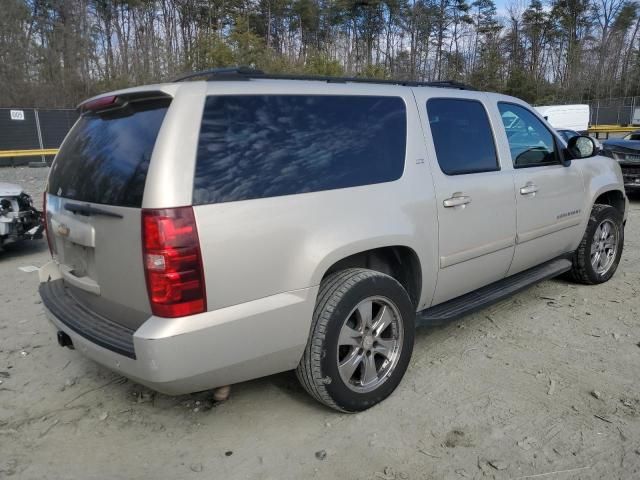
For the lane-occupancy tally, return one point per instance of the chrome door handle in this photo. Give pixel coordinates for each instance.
(456, 201)
(529, 189)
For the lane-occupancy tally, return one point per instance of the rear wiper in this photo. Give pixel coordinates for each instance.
(89, 210)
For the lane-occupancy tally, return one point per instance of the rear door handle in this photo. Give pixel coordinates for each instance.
(456, 201)
(529, 189)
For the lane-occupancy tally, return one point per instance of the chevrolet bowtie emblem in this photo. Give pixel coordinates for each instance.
(63, 230)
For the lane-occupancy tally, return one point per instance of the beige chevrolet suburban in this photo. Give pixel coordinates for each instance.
(235, 224)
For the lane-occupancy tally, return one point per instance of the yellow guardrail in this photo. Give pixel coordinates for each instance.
(608, 129)
(611, 129)
(27, 153)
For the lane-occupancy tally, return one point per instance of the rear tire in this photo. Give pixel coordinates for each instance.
(361, 340)
(598, 255)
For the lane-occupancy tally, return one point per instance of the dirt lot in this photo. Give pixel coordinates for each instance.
(543, 385)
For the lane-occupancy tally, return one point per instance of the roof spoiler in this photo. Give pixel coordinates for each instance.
(114, 101)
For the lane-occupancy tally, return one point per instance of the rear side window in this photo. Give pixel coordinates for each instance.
(105, 157)
(256, 146)
(462, 136)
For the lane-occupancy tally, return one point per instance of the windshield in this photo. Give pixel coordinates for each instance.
(632, 136)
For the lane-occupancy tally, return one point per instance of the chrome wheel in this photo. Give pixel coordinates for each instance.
(604, 247)
(370, 344)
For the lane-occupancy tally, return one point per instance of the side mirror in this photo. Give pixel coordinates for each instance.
(582, 146)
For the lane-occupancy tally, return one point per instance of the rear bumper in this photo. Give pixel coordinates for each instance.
(199, 352)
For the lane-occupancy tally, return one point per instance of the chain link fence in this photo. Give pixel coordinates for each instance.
(33, 129)
(615, 111)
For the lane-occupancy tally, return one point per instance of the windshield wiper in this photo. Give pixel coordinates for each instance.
(89, 210)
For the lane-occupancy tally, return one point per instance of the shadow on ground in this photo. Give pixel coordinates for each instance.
(22, 249)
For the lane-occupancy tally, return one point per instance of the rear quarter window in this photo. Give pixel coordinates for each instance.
(105, 157)
(257, 146)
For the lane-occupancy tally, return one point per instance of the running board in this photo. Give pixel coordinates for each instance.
(485, 296)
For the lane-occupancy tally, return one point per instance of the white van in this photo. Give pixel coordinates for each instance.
(569, 117)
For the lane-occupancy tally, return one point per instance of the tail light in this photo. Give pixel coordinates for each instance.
(173, 262)
(46, 222)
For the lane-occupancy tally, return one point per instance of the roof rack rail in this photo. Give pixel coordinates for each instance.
(247, 73)
(230, 73)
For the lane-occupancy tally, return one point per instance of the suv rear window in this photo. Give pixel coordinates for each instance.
(105, 157)
(256, 146)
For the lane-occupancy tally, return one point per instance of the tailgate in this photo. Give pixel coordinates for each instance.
(94, 201)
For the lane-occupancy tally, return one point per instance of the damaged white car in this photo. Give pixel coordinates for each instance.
(19, 219)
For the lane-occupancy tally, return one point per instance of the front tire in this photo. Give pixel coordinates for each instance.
(599, 252)
(361, 340)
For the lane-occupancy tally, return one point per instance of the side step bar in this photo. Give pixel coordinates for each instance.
(485, 296)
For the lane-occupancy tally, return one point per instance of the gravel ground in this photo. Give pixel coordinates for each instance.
(543, 385)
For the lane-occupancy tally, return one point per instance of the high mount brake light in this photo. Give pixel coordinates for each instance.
(173, 262)
(100, 103)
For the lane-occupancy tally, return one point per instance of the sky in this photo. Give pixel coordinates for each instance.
(503, 5)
